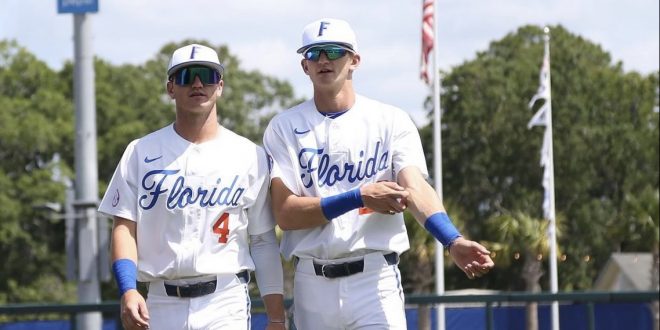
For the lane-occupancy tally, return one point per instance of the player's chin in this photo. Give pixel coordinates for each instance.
(200, 104)
(324, 78)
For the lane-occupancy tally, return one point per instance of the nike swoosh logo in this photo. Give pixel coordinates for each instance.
(295, 130)
(149, 160)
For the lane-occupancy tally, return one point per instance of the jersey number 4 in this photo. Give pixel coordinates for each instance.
(221, 227)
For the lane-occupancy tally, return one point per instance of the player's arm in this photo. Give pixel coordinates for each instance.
(275, 311)
(423, 202)
(270, 280)
(134, 314)
(302, 212)
(292, 211)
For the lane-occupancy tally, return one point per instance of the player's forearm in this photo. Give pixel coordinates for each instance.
(268, 268)
(298, 212)
(274, 304)
(423, 200)
(124, 245)
(268, 265)
(427, 207)
(124, 255)
(295, 212)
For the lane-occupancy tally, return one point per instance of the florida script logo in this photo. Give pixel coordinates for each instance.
(180, 195)
(314, 160)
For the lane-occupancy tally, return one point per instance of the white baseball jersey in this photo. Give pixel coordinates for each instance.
(315, 155)
(191, 202)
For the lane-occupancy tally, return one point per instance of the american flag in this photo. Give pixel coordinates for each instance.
(428, 36)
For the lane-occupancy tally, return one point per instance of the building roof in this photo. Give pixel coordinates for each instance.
(626, 272)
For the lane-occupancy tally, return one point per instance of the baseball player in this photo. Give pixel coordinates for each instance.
(192, 214)
(344, 168)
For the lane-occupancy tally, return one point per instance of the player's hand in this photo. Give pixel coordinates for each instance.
(134, 314)
(384, 197)
(471, 257)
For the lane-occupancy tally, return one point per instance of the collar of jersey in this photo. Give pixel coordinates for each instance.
(333, 115)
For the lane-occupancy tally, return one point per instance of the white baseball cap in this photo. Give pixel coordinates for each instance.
(194, 54)
(328, 31)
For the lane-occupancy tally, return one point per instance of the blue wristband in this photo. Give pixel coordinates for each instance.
(125, 271)
(440, 226)
(339, 204)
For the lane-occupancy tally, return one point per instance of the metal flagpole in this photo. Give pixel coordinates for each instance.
(86, 186)
(543, 117)
(552, 233)
(437, 170)
(81, 212)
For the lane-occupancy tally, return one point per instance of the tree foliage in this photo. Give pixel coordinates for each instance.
(605, 145)
(37, 122)
(605, 148)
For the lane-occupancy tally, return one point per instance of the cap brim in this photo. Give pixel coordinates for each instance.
(342, 44)
(211, 65)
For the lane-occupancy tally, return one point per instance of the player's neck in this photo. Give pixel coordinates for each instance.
(334, 101)
(197, 129)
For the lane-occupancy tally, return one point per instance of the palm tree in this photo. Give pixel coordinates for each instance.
(517, 235)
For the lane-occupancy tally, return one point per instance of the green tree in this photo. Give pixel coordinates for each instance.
(605, 143)
(37, 122)
(34, 124)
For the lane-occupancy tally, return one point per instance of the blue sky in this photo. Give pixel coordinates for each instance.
(265, 34)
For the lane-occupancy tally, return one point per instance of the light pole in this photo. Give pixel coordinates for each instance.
(78, 261)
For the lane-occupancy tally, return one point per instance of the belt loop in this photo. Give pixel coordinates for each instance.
(244, 276)
(392, 258)
(178, 291)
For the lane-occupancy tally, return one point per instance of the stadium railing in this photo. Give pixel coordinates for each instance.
(490, 300)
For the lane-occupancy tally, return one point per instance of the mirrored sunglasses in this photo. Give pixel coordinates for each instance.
(333, 52)
(186, 76)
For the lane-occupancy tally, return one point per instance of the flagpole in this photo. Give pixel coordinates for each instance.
(552, 232)
(437, 170)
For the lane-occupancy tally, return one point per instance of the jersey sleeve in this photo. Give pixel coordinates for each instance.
(260, 214)
(407, 145)
(281, 164)
(120, 197)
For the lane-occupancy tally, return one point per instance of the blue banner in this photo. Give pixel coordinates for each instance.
(77, 6)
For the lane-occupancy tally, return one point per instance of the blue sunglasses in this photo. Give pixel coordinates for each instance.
(186, 76)
(332, 52)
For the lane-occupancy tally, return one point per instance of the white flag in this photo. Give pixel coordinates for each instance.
(540, 118)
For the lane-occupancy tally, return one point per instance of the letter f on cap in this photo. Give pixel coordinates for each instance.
(323, 26)
(192, 52)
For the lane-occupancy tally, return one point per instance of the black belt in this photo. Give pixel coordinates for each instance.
(200, 289)
(349, 268)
